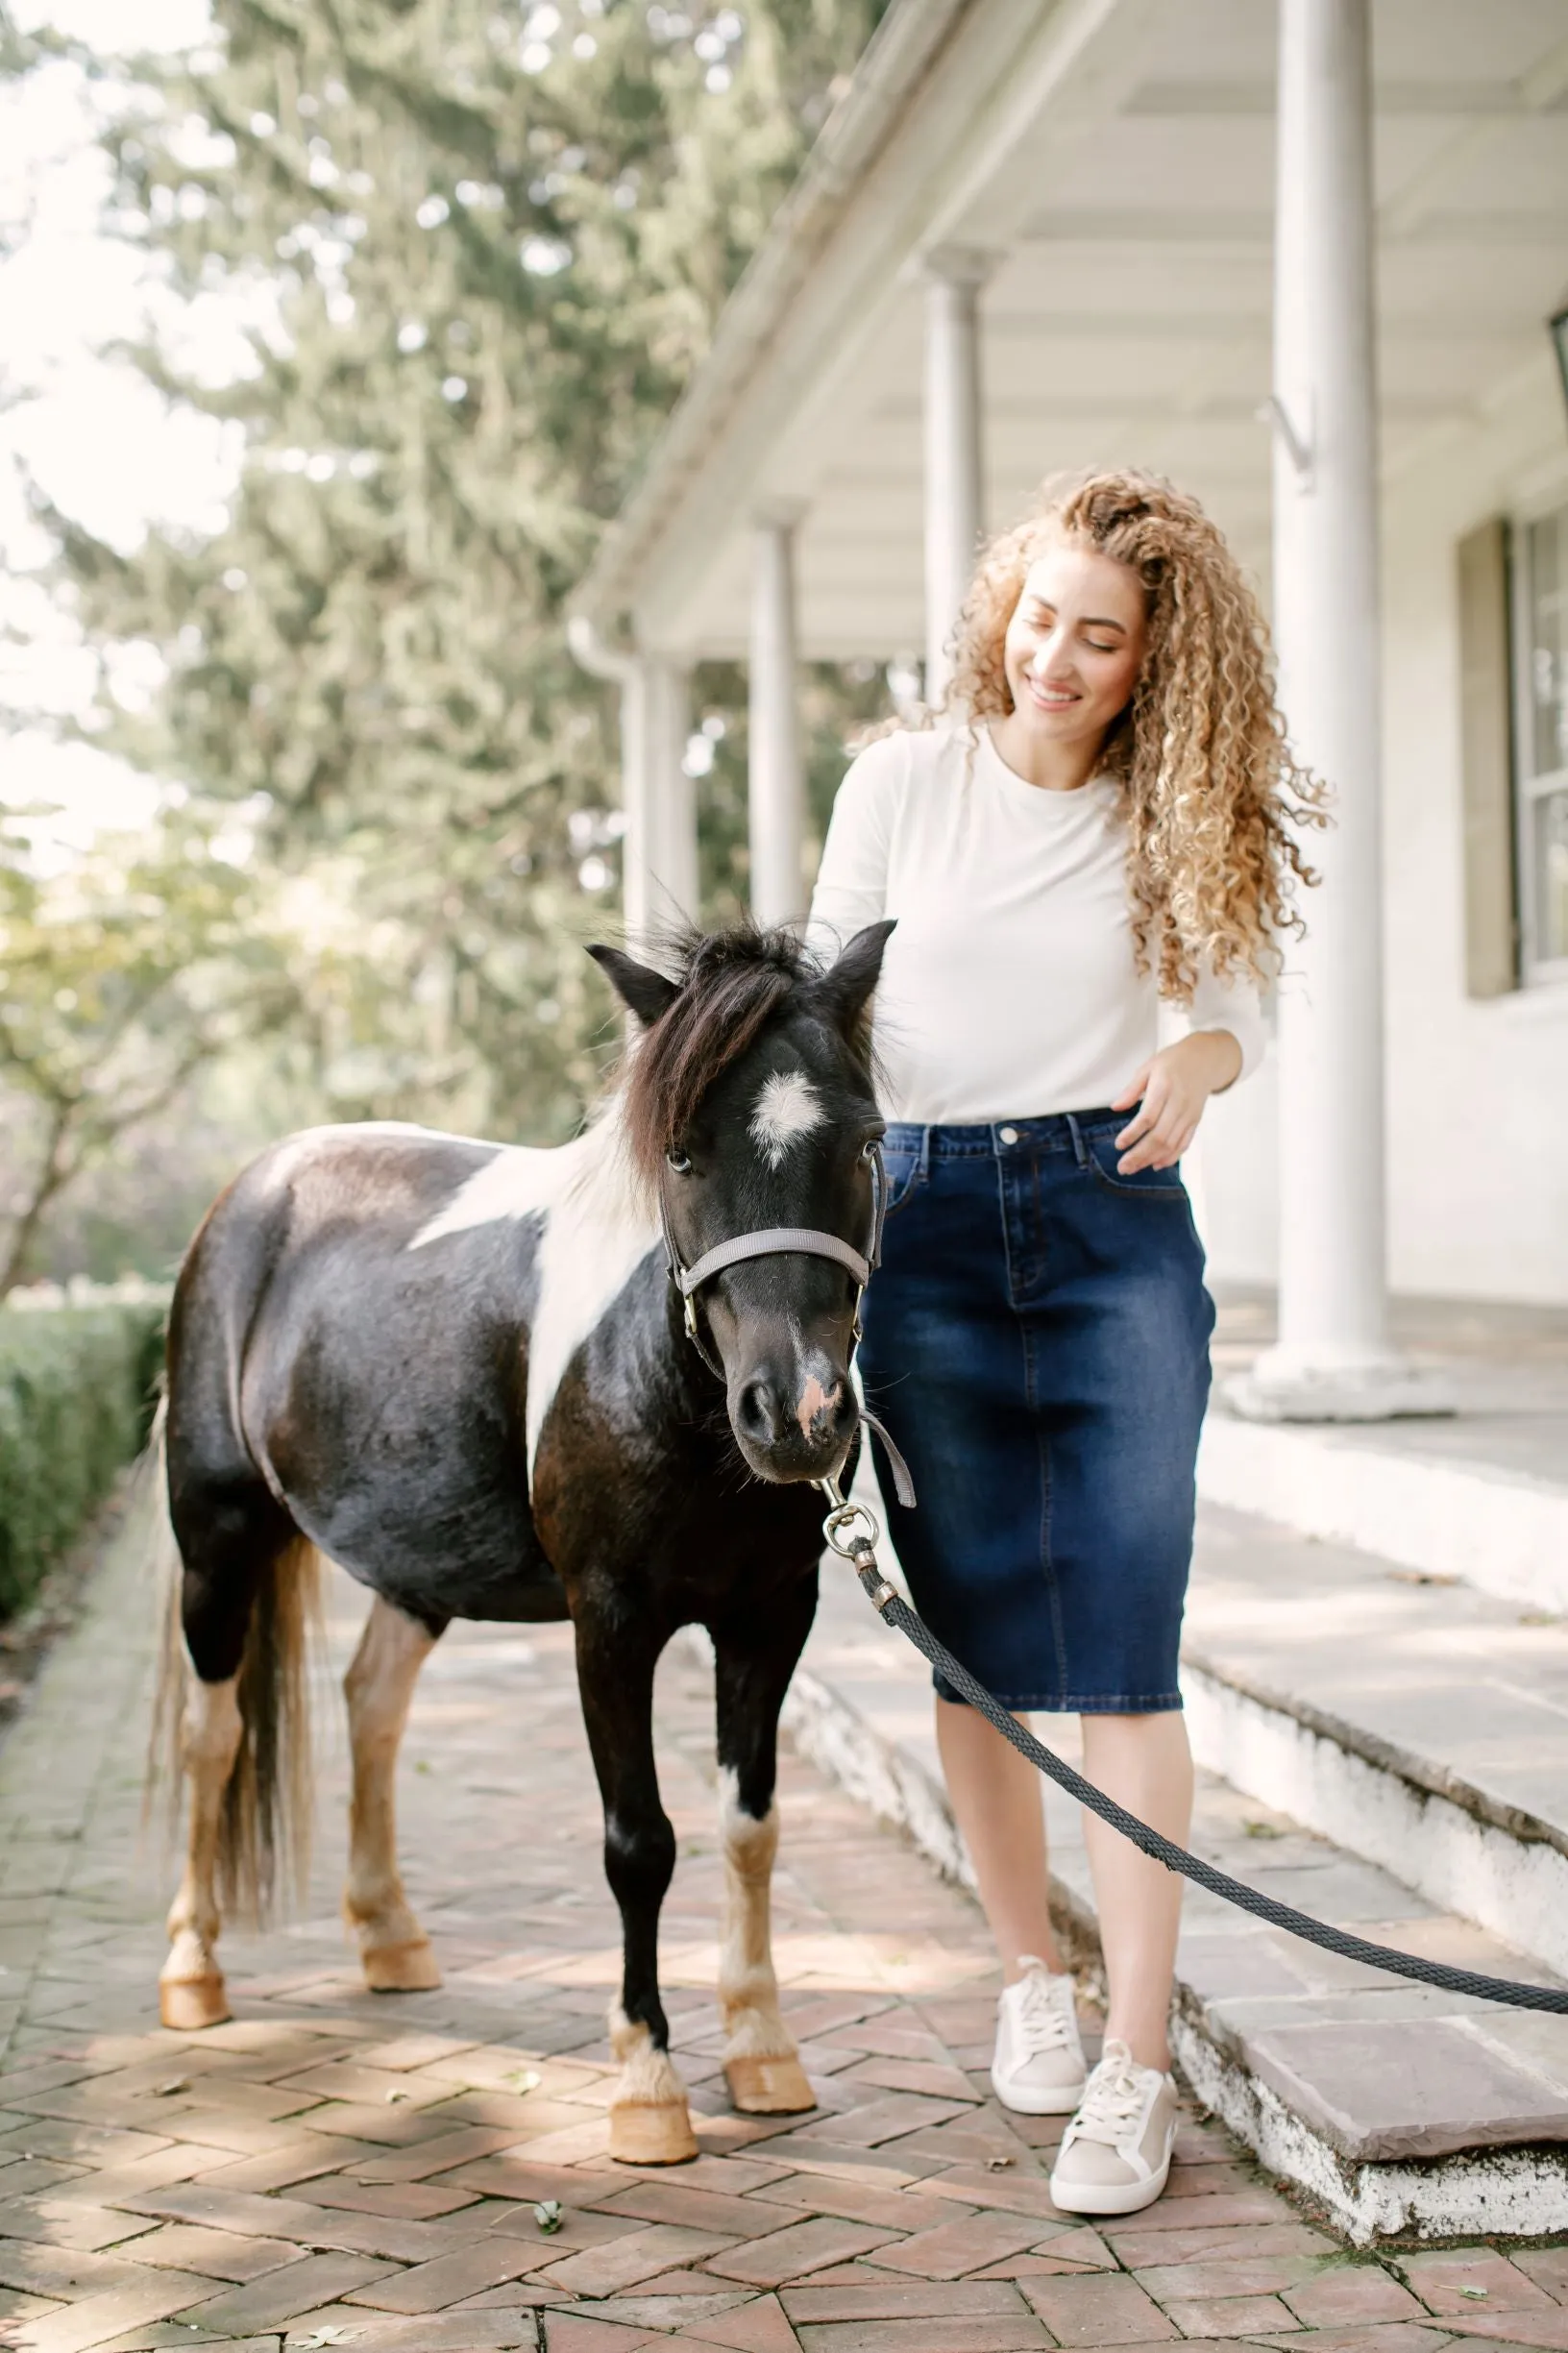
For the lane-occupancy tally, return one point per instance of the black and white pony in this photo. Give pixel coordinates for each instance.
(463, 1371)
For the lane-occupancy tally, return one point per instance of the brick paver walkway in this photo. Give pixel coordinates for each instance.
(337, 2169)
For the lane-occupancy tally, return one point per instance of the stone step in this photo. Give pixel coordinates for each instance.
(1399, 2108)
(1482, 1496)
(1410, 1718)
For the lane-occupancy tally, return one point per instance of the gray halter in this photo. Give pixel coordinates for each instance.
(785, 1241)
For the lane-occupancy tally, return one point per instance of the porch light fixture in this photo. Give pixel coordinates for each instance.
(1560, 340)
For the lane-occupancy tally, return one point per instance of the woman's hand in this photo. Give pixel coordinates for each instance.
(1172, 1089)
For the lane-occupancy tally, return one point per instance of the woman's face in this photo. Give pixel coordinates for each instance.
(1075, 643)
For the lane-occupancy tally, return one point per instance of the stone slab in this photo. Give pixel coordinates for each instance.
(1406, 2088)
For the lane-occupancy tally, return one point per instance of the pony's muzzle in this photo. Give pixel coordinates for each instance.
(793, 1430)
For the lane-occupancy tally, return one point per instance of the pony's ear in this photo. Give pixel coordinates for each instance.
(649, 993)
(843, 989)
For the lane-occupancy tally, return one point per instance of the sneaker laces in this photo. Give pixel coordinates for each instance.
(1113, 2098)
(1040, 2024)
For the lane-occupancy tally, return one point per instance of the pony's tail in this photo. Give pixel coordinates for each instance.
(263, 1851)
(264, 1841)
(163, 1776)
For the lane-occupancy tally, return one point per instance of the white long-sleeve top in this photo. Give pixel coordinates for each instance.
(1009, 988)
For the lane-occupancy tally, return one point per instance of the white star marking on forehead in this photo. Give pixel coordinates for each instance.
(786, 1108)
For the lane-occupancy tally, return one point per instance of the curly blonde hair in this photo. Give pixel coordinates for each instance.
(1211, 797)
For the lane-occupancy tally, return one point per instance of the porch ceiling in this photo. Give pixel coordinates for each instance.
(1117, 157)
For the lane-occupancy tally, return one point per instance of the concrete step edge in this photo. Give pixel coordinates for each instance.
(1422, 1773)
(1464, 1852)
(1502, 2192)
(1498, 1530)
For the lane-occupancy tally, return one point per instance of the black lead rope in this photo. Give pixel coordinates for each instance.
(860, 1552)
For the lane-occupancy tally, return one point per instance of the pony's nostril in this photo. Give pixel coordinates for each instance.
(758, 1412)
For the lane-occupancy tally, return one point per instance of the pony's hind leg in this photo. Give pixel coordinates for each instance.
(190, 1988)
(754, 1658)
(233, 1681)
(394, 1949)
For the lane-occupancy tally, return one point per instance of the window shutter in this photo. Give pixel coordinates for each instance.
(1491, 916)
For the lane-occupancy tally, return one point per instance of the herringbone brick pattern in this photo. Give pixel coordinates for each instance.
(336, 2170)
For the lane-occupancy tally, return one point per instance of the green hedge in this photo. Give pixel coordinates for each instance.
(76, 1393)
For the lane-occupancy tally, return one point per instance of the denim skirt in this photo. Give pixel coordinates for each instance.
(1037, 1339)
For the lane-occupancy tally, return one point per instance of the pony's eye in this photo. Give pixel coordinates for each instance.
(681, 1162)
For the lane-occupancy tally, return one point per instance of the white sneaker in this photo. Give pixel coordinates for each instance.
(1038, 2068)
(1115, 2154)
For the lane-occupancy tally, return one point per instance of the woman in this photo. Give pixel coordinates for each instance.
(1100, 820)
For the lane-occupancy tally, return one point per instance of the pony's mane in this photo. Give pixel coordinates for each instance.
(732, 984)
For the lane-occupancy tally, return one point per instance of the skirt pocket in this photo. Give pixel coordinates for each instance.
(1143, 1184)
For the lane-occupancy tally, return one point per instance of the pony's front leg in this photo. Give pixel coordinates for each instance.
(755, 1656)
(650, 2119)
(394, 1950)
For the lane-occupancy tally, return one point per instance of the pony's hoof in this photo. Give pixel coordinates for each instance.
(644, 2135)
(190, 2003)
(769, 2086)
(410, 1968)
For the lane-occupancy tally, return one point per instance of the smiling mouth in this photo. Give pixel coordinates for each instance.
(1052, 698)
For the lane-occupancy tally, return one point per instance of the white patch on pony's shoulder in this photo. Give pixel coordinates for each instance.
(788, 1106)
(602, 1226)
(515, 1183)
(599, 1223)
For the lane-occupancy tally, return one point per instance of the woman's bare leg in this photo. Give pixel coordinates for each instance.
(1142, 1760)
(1145, 1762)
(995, 1795)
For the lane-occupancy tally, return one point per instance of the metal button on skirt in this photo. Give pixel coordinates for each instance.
(1037, 1339)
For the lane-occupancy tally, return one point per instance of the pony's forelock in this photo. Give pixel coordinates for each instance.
(732, 984)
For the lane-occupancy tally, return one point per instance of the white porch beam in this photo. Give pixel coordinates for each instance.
(1332, 1359)
(1431, 185)
(954, 459)
(777, 791)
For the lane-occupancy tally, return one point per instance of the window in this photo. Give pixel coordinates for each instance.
(1540, 610)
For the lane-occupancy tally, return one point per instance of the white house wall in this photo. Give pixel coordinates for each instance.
(1478, 1103)
(1479, 1107)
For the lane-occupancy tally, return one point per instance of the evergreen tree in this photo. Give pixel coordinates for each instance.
(480, 247)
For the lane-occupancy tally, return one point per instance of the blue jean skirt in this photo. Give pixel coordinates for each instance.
(1037, 1339)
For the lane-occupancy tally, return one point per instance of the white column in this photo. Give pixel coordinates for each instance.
(658, 849)
(776, 782)
(1332, 1359)
(670, 885)
(954, 487)
(636, 801)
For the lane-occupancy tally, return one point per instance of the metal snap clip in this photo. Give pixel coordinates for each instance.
(851, 1530)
